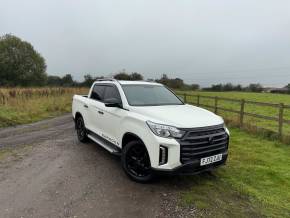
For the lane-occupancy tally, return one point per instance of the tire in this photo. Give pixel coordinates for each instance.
(81, 129)
(136, 162)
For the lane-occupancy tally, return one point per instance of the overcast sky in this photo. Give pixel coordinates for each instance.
(203, 42)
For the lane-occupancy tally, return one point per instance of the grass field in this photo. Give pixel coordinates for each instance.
(262, 110)
(254, 183)
(20, 105)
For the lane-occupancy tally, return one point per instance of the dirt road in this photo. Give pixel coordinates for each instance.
(51, 174)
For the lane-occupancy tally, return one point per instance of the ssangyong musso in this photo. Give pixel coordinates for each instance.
(151, 128)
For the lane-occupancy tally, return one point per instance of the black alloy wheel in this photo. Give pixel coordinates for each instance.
(81, 129)
(136, 162)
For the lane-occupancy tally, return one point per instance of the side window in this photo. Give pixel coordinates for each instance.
(98, 92)
(112, 92)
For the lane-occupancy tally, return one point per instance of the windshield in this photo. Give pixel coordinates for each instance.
(150, 95)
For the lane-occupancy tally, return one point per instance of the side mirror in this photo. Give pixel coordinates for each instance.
(113, 102)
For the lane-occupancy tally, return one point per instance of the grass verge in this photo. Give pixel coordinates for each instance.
(255, 182)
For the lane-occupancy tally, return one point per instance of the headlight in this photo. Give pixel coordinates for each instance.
(226, 129)
(165, 131)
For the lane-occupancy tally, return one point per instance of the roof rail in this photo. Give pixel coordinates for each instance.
(107, 79)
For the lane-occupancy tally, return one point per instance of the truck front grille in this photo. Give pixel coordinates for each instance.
(203, 142)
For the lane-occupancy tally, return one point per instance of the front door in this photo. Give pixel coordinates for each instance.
(112, 115)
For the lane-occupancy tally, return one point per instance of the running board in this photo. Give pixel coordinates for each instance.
(107, 145)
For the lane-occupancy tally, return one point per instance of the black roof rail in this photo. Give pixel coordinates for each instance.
(107, 79)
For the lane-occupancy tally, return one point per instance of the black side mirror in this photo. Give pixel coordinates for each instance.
(113, 102)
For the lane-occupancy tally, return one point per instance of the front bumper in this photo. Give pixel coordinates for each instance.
(192, 167)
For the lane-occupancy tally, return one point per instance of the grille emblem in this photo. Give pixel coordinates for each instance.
(210, 140)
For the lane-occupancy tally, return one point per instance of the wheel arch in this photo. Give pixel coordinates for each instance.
(129, 136)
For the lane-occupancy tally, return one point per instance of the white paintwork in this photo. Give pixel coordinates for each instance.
(182, 116)
(116, 122)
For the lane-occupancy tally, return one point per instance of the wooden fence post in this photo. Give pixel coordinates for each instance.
(184, 97)
(280, 120)
(242, 113)
(215, 104)
(198, 100)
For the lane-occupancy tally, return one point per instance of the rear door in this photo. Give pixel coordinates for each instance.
(95, 105)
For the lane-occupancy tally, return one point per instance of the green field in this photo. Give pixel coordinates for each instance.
(257, 109)
(254, 183)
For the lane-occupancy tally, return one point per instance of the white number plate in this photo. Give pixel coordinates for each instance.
(211, 159)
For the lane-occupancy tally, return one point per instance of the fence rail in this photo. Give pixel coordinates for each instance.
(280, 119)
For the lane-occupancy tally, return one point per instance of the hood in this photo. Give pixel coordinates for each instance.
(181, 116)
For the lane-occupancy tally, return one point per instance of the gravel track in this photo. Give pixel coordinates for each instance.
(57, 176)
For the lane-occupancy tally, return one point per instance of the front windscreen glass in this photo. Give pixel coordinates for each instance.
(150, 95)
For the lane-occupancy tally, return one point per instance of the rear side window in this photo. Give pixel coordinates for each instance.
(111, 92)
(98, 92)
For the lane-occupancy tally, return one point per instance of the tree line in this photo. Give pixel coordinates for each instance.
(254, 87)
(67, 80)
(22, 65)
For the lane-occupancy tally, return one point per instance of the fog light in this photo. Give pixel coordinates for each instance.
(163, 155)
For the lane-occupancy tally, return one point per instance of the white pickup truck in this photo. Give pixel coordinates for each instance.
(151, 128)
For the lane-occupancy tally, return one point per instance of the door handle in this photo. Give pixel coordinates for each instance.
(101, 112)
(86, 106)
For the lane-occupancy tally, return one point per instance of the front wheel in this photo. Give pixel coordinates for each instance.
(81, 130)
(136, 162)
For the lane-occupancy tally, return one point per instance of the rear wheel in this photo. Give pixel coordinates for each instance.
(81, 129)
(136, 162)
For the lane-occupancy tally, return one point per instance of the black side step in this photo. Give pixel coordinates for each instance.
(104, 143)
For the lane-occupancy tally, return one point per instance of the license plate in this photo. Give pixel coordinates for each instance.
(211, 159)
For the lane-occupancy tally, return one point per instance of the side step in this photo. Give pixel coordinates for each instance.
(105, 144)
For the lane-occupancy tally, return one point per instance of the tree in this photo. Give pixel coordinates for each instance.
(67, 80)
(239, 88)
(136, 76)
(88, 80)
(217, 88)
(194, 87)
(54, 81)
(20, 64)
(125, 76)
(228, 87)
(225, 87)
(163, 80)
(176, 83)
(122, 76)
(255, 87)
(287, 89)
